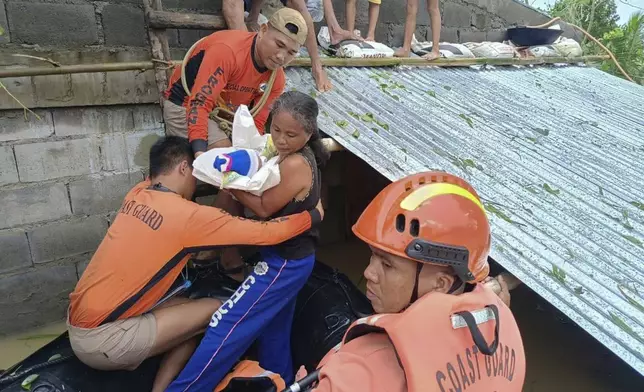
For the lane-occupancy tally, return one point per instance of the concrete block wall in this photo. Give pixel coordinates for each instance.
(62, 177)
(90, 23)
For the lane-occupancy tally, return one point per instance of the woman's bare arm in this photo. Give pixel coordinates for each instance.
(295, 174)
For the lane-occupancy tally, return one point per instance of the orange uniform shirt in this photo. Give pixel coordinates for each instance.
(222, 65)
(366, 364)
(150, 242)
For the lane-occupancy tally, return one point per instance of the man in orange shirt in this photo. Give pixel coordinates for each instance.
(436, 328)
(227, 69)
(119, 313)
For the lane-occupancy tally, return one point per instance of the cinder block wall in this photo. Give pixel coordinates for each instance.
(61, 180)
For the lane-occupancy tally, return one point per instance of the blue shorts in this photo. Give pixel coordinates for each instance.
(261, 309)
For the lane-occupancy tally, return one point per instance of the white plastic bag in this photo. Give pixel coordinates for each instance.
(353, 48)
(244, 135)
(496, 50)
(447, 50)
(568, 47)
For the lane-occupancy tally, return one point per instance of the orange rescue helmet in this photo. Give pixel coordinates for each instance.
(430, 217)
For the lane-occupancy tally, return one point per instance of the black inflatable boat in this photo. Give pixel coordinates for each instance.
(326, 306)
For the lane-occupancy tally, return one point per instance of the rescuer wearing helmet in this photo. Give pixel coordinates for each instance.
(436, 327)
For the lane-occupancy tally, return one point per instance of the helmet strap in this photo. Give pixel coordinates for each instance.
(414, 294)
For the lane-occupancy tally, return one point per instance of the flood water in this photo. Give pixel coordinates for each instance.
(561, 356)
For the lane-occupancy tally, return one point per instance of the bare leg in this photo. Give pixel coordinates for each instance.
(374, 11)
(172, 363)
(350, 11)
(253, 14)
(336, 32)
(435, 18)
(177, 323)
(410, 27)
(233, 11)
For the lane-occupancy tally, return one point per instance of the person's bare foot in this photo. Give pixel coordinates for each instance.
(338, 36)
(322, 82)
(402, 52)
(433, 55)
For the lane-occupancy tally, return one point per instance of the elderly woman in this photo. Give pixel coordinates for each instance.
(262, 308)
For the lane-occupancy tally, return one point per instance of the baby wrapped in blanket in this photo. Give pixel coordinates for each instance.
(243, 161)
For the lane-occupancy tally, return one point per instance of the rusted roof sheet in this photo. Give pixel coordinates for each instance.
(555, 152)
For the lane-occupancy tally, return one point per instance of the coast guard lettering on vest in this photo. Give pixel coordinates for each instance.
(470, 367)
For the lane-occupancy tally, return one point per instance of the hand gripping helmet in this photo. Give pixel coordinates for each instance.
(430, 217)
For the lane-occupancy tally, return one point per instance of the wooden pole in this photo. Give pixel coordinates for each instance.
(305, 62)
(158, 46)
(175, 20)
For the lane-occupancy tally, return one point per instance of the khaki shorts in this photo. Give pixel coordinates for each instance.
(176, 123)
(120, 345)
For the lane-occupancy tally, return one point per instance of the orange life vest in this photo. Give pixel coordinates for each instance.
(248, 376)
(453, 342)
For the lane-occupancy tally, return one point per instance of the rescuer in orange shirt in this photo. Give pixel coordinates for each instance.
(436, 327)
(227, 69)
(119, 312)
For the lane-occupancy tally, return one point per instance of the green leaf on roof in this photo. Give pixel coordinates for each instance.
(530, 188)
(382, 125)
(467, 119)
(325, 114)
(376, 130)
(624, 327)
(638, 205)
(404, 150)
(354, 115)
(431, 93)
(634, 240)
(356, 134)
(631, 300)
(313, 93)
(341, 123)
(397, 98)
(550, 190)
(367, 117)
(579, 290)
(532, 139)
(542, 131)
(601, 191)
(492, 209)
(448, 88)
(558, 274)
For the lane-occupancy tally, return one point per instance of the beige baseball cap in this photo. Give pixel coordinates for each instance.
(290, 23)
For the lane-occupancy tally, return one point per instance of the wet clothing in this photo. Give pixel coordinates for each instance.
(149, 243)
(431, 346)
(261, 309)
(222, 70)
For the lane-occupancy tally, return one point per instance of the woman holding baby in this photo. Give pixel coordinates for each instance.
(262, 308)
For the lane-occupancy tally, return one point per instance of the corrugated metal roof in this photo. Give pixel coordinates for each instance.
(556, 154)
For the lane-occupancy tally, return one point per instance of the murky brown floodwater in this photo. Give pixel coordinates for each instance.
(561, 356)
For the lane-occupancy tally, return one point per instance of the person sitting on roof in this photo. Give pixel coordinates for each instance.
(436, 328)
(311, 10)
(119, 312)
(264, 309)
(227, 69)
(410, 27)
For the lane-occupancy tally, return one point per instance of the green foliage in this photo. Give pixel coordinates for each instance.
(627, 44)
(599, 18)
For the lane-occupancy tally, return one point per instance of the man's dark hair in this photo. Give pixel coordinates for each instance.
(167, 152)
